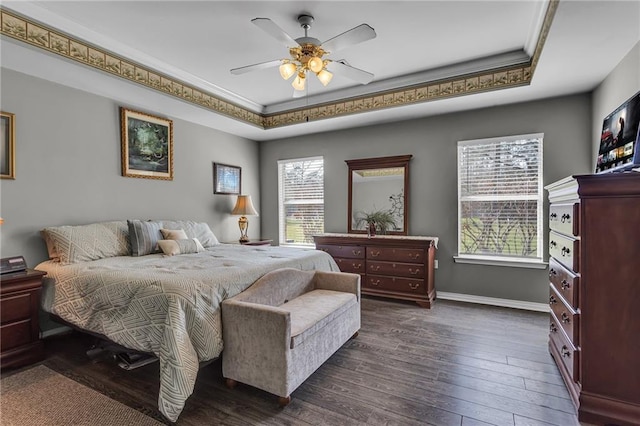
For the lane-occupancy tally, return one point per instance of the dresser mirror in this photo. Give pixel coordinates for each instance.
(379, 186)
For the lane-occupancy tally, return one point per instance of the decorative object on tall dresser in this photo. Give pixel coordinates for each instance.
(7, 145)
(244, 207)
(19, 302)
(594, 247)
(227, 179)
(379, 185)
(147, 145)
(393, 266)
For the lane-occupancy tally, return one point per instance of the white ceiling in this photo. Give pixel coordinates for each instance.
(417, 41)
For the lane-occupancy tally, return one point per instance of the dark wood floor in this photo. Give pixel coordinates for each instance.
(456, 364)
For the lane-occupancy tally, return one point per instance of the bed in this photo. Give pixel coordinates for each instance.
(165, 305)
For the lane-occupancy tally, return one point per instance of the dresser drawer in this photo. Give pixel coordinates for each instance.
(15, 334)
(564, 218)
(395, 284)
(565, 250)
(350, 252)
(409, 255)
(565, 282)
(567, 317)
(568, 353)
(356, 266)
(410, 270)
(15, 307)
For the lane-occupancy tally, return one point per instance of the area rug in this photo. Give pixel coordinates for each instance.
(41, 396)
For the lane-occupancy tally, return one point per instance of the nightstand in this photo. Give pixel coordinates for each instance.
(20, 342)
(252, 242)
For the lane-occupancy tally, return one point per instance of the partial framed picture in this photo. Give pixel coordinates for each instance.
(226, 179)
(147, 145)
(7, 145)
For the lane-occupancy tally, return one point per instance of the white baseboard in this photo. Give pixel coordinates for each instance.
(54, 331)
(507, 303)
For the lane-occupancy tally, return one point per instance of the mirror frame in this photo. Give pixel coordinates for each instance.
(380, 163)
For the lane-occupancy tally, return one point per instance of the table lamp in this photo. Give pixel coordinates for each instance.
(244, 207)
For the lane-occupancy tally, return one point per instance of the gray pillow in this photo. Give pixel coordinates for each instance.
(144, 237)
(175, 247)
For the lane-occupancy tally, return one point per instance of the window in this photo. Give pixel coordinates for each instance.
(300, 200)
(500, 201)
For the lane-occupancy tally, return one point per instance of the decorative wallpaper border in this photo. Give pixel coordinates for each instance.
(54, 41)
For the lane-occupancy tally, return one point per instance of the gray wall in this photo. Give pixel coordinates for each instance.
(622, 83)
(565, 122)
(68, 169)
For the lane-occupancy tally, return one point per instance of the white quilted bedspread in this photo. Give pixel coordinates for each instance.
(169, 306)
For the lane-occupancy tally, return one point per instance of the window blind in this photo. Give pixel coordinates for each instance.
(500, 197)
(300, 200)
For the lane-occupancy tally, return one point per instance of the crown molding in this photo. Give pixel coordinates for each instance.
(193, 90)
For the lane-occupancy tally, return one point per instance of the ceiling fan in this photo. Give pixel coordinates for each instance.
(308, 54)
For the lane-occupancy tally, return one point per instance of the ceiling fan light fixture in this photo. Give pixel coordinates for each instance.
(299, 81)
(287, 70)
(315, 64)
(324, 76)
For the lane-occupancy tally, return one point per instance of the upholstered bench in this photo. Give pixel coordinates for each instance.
(283, 327)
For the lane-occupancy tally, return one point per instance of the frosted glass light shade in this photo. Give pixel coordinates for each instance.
(315, 64)
(298, 82)
(325, 77)
(287, 70)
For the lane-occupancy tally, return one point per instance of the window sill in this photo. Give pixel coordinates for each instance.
(531, 264)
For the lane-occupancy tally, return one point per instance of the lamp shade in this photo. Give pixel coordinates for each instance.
(1, 221)
(244, 206)
(298, 82)
(325, 77)
(287, 70)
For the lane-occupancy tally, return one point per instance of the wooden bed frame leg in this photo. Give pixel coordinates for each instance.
(354, 335)
(230, 383)
(283, 401)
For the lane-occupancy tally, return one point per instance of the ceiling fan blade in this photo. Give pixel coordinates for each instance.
(355, 74)
(255, 67)
(270, 27)
(348, 38)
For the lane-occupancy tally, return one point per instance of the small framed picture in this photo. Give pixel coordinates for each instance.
(7, 146)
(226, 179)
(147, 145)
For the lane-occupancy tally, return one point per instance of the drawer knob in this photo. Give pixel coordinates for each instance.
(376, 282)
(565, 352)
(552, 272)
(565, 218)
(414, 256)
(375, 253)
(375, 267)
(356, 265)
(565, 318)
(565, 251)
(553, 216)
(414, 286)
(553, 328)
(414, 272)
(552, 244)
(552, 300)
(565, 284)
(356, 252)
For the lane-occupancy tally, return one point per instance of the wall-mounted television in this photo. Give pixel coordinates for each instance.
(620, 138)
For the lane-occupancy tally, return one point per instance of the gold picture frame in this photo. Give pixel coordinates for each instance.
(7, 145)
(147, 145)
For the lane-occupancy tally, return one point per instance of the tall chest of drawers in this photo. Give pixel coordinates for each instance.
(396, 267)
(594, 293)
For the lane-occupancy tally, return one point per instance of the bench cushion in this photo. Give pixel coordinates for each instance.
(312, 311)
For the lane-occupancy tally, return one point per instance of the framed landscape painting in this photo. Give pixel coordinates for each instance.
(7, 146)
(147, 145)
(226, 179)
